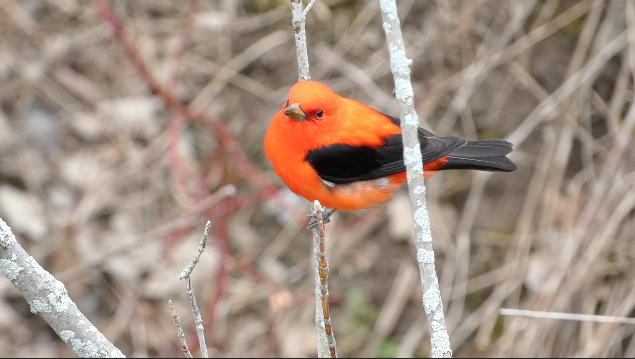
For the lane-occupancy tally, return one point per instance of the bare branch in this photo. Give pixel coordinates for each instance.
(180, 333)
(566, 316)
(326, 338)
(201, 247)
(198, 319)
(299, 30)
(48, 297)
(307, 9)
(400, 66)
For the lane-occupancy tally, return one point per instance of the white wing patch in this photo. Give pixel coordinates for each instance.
(329, 184)
(382, 182)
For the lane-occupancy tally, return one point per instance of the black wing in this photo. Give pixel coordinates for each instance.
(342, 163)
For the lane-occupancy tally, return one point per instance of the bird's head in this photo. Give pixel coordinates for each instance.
(310, 100)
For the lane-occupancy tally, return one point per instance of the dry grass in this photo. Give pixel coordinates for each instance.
(109, 187)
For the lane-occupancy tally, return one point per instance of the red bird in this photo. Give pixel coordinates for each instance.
(350, 156)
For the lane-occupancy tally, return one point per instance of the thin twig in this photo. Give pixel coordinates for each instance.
(566, 316)
(326, 338)
(400, 66)
(201, 247)
(179, 331)
(185, 274)
(198, 319)
(307, 9)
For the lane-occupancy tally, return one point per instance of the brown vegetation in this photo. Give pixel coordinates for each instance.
(108, 180)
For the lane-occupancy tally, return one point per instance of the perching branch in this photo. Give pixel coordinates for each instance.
(400, 66)
(48, 297)
(299, 30)
(326, 338)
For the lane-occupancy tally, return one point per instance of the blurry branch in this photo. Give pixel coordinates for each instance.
(238, 63)
(185, 220)
(48, 297)
(400, 66)
(190, 189)
(264, 188)
(326, 339)
(169, 99)
(567, 316)
(515, 49)
(184, 35)
(198, 319)
(546, 110)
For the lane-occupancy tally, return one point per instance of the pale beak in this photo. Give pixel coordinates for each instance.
(295, 112)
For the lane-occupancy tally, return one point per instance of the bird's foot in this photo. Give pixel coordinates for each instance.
(326, 218)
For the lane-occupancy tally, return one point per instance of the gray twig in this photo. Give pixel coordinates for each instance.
(180, 333)
(48, 297)
(185, 274)
(566, 316)
(201, 247)
(198, 319)
(400, 66)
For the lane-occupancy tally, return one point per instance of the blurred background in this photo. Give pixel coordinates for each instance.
(108, 182)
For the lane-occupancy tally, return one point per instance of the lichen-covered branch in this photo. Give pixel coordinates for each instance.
(400, 66)
(299, 30)
(48, 297)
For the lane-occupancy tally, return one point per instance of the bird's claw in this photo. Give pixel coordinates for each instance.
(326, 218)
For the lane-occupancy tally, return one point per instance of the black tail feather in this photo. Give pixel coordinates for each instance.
(486, 155)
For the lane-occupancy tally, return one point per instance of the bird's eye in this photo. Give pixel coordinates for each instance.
(319, 114)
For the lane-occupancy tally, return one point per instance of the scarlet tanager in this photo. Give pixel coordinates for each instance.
(350, 156)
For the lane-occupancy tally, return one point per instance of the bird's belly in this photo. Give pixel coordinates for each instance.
(357, 195)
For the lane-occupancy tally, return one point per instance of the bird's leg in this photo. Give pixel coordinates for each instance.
(326, 217)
